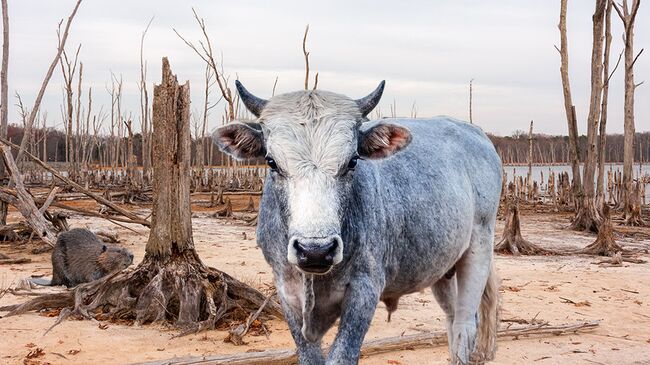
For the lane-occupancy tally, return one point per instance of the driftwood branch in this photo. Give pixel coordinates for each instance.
(382, 345)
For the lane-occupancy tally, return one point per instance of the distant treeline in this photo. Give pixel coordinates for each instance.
(512, 149)
(50, 144)
(555, 149)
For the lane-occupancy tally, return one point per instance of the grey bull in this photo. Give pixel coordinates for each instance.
(355, 212)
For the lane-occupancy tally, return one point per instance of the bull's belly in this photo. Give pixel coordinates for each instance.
(422, 271)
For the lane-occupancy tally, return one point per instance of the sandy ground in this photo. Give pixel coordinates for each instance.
(532, 287)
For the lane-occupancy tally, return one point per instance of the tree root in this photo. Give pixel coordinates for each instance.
(180, 290)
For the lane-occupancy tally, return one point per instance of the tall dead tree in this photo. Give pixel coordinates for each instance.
(171, 283)
(68, 70)
(569, 108)
(588, 217)
(471, 82)
(4, 96)
(41, 92)
(602, 129)
(631, 211)
(529, 176)
(145, 118)
(207, 55)
(306, 54)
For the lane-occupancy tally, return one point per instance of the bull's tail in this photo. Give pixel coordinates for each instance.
(486, 343)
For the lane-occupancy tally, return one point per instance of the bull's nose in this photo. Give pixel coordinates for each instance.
(316, 255)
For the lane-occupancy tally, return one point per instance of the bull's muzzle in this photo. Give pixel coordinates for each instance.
(315, 255)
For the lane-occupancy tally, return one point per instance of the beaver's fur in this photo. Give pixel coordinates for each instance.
(79, 257)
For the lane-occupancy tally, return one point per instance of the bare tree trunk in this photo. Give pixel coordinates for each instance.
(530, 162)
(628, 16)
(471, 82)
(25, 202)
(588, 218)
(602, 133)
(144, 112)
(569, 108)
(171, 215)
(4, 96)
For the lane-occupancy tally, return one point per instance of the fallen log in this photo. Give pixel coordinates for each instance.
(25, 203)
(9, 196)
(98, 198)
(378, 346)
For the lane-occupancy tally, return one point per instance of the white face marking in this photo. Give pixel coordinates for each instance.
(312, 136)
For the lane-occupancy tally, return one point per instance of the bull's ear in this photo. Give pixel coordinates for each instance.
(240, 140)
(383, 140)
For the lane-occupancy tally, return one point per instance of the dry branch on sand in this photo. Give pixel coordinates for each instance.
(171, 284)
(379, 346)
(512, 242)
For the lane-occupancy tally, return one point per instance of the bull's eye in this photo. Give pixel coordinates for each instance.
(271, 163)
(353, 162)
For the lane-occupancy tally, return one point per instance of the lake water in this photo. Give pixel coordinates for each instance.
(522, 170)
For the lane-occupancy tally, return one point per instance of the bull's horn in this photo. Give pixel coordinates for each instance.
(368, 103)
(252, 102)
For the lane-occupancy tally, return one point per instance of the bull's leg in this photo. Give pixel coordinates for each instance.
(472, 271)
(308, 352)
(445, 292)
(358, 308)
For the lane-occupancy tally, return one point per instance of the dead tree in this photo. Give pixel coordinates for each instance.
(68, 70)
(171, 283)
(306, 54)
(512, 241)
(587, 216)
(37, 103)
(602, 133)
(569, 108)
(145, 118)
(207, 55)
(25, 203)
(605, 245)
(471, 82)
(4, 96)
(530, 163)
(628, 17)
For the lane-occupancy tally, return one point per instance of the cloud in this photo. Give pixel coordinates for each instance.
(426, 51)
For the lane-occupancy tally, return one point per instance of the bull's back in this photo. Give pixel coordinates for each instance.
(434, 191)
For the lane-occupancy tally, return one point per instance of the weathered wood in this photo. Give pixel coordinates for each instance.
(628, 17)
(587, 216)
(134, 217)
(171, 214)
(25, 203)
(4, 96)
(379, 346)
(569, 108)
(48, 201)
(48, 76)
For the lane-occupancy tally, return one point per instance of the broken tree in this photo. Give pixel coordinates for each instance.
(512, 241)
(171, 283)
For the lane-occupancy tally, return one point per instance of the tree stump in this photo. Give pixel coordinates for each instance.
(251, 205)
(605, 245)
(512, 242)
(171, 284)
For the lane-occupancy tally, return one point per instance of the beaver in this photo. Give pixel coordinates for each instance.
(79, 256)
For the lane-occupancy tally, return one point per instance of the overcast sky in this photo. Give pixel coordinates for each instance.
(427, 51)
